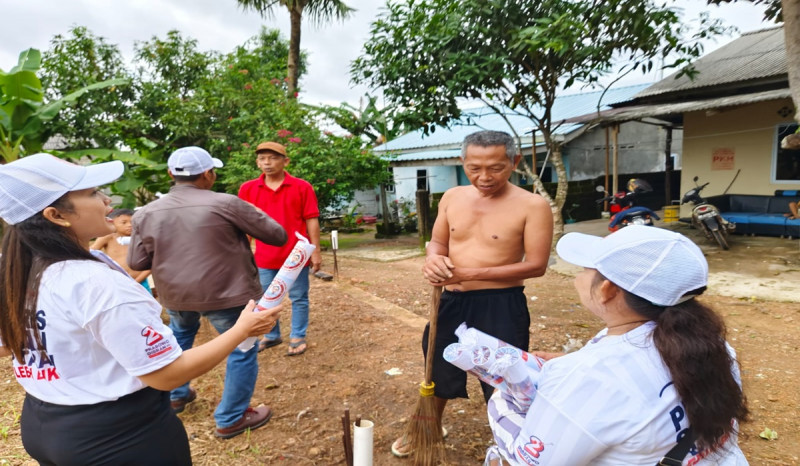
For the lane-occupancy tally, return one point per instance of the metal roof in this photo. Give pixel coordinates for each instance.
(757, 55)
(638, 112)
(425, 155)
(446, 138)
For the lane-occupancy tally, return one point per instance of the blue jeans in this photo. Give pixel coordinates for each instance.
(298, 294)
(241, 370)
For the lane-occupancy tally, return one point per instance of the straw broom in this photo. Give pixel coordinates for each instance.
(425, 428)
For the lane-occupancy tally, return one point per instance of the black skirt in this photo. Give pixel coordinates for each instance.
(137, 429)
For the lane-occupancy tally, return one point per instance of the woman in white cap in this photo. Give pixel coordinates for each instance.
(89, 346)
(658, 385)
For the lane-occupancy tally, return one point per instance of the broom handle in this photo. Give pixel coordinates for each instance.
(435, 298)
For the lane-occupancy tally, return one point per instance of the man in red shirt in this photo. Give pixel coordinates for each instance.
(293, 204)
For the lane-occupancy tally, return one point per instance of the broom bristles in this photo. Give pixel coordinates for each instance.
(425, 430)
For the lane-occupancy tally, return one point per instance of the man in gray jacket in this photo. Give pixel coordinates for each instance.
(196, 243)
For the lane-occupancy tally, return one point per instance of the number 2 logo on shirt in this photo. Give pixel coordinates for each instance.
(530, 452)
(151, 335)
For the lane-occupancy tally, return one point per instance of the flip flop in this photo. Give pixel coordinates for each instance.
(296, 344)
(264, 344)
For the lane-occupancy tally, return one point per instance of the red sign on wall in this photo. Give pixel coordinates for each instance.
(723, 158)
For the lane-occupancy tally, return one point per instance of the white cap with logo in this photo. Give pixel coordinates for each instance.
(29, 184)
(192, 160)
(658, 265)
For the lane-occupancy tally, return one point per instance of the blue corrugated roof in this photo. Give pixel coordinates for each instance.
(426, 155)
(564, 107)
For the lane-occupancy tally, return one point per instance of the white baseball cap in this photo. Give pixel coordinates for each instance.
(30, 184)
(658, 265)
(192, 160)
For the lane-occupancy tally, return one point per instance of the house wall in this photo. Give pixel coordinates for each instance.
(440, 178)
(742, 138)
(641, 150)
(368, 200)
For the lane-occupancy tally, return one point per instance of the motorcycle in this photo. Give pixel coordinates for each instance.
(623, 206)
(706, 217)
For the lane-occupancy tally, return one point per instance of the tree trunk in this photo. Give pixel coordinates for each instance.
(791, 37)
(561, 191)
(423, 216)
(555, 206)
(295, 15)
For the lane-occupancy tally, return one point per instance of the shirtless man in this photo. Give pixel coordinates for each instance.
(116, 244)
(487, 239)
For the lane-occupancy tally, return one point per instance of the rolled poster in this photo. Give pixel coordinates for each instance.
(503, 366)
(283, 281)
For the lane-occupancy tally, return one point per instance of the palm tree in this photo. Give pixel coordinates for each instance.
(318, 11)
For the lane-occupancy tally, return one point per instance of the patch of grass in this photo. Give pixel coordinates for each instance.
(10, 418)
(351, 240)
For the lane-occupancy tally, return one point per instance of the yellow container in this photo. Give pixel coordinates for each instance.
(671, 213)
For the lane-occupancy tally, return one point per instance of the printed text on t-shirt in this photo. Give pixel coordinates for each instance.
(39, 364)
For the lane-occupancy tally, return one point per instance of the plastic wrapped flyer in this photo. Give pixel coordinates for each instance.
(497, 363)
(283, 281)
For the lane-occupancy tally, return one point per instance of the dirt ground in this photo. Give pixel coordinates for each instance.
(365, 355)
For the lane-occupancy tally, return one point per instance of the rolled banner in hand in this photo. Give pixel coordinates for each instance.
(283, 281)
(503, 366)
(459, 355)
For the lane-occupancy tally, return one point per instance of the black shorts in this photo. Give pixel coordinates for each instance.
(502, 313)
(137, 429)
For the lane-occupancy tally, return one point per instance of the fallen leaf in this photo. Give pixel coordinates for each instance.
(768, 434)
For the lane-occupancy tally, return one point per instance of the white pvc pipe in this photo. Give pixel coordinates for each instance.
(362, 443)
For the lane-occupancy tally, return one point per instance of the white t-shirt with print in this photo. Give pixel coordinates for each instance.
(101, 330)
(610, 403)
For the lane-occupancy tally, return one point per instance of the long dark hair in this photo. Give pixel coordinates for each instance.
(690, 337)
(29, 247)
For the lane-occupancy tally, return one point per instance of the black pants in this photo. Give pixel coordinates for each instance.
(502, 313)
(137, 429)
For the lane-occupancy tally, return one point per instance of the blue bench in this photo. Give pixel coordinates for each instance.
(761, 215)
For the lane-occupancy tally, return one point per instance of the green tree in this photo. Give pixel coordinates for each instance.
(249, 104)
(516, 56)
(225, 103)
(79, 59)
(376, 124)
(170, 76)
(319, 11)
(25, 115)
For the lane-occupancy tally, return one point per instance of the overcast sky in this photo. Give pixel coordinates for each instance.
(221, 25)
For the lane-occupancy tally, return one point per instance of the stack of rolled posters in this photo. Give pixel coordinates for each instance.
(503, 366)
(283, 281)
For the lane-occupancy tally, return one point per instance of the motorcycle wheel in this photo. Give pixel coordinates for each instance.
(719, 237)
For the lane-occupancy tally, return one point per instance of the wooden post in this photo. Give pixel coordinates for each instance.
(668, 166)
(615, 160)
(387, 216)
(533, 154)
(605, 184)
(423, 216)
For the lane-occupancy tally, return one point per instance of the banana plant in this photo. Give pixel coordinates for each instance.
(23, 111)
